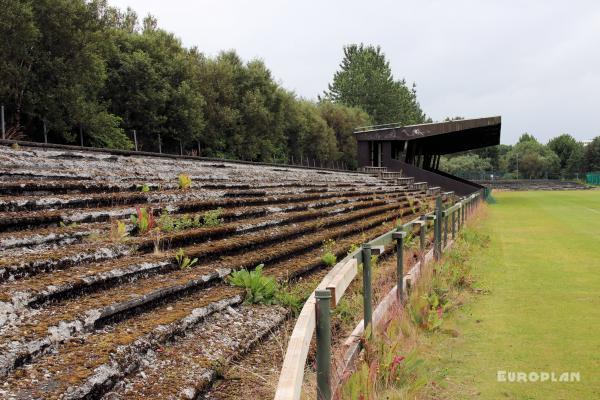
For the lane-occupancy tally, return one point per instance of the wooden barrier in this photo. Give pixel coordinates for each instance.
(337, 282)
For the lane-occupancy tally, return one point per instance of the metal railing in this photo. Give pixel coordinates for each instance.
(315, 315)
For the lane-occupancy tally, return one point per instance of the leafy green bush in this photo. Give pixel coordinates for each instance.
(143, 220)
(213, 217)
(329, 258)
(185, 182)
(168, 223)
(118, 230)
(184, 261)
(260, 289)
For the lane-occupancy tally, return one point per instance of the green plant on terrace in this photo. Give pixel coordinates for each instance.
(213, 217)
(118, 230)
(329, 258)
(260, 289)
(145, 188)
(62, 225)
(143, 219)
(410, 241)
(185, 182)
(184, 261)
(353, 248)
(411, 204)
(168, 223)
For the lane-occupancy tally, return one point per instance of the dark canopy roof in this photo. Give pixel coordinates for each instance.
(440, 137)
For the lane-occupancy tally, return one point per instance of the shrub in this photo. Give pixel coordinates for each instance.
(410, 241)
(353, 248)
(167, 223)
(143, 220)
(260, 289)
(213, 217)
(118, 230)
(184, 261)
(185, 182)
(329, 258)
(289, 300)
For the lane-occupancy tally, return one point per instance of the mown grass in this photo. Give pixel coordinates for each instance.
(542, 313)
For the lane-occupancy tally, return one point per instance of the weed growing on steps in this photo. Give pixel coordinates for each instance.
(410, 241)
(184, 181)
(118, 231)
(329, 258)
(168, 223)
(353, 248)
(143, 220)
(183, 261)
(62, 225)
(261, 289)
(212, 217)
(145, 188)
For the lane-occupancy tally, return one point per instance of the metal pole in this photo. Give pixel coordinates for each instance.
(3, 126)
(399, 237)
(438, 228)
(445, 230)
(198, 143)
(180, 148)
(159, 144)
(423, 234)
(323, 330)
(453, 224)
(81, 136)
(368, 305)
(45, 133)
(135, 140)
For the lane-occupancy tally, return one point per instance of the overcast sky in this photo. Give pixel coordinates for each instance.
(535, 63)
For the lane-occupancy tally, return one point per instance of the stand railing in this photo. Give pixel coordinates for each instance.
(315, 314)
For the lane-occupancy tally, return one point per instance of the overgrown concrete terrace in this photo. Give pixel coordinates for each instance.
(92, 307)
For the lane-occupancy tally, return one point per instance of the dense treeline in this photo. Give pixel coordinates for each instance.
(562, 157)
(72, 66)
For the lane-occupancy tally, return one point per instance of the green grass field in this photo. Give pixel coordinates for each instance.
(542, 312)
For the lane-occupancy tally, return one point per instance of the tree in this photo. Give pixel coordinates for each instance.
(57, 75)
(466, 165)
(570, 153)
(534, 159)
(151, 84)
(343, 120)
(365, 80)
(592, 155)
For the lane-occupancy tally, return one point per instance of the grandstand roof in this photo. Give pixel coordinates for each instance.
(439, 137)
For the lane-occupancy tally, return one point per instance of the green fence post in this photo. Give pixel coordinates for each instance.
(438, 228)
(423, 234)
(399, 238)
(368, 305)
(445, 229)
(323, 329)
(453, 224)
